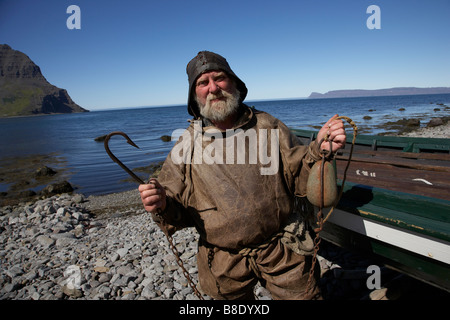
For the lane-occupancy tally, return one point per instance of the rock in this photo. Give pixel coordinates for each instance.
(44, 172)
(166, 138)
(51, 209)
(71, 291)
(402, 125)
(434, 122)
(10, 287)
(61, 212)
(65, 242)
(169, 293)
(35, 296)
(125, 270)
(148, 292)
(26, 194)
(114, 257)
(57, 188)
(15, 271)
(104, 277)
(100, 263)
(101, 138)
(31, 275)
(122, 252)
(45, 241)
(120, 281)
(413, 123)
(78, 198)
(77, 215)
(63, 235)
(101, 269)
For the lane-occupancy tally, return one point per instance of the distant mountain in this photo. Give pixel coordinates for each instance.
(402, 91)
(25, 91)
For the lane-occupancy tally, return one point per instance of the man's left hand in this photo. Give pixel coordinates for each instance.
(335, 131)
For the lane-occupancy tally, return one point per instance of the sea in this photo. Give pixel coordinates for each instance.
(70, 138)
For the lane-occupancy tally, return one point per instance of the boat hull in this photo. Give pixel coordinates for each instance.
(395, 204)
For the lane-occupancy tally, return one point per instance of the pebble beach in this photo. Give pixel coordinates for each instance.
(442, 132)
(68, 246)
(57, 248)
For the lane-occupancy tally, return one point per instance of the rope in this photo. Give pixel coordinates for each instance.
(355, 132)
(320, 219)
(251, 252)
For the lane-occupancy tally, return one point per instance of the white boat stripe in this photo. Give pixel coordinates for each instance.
(412, 241)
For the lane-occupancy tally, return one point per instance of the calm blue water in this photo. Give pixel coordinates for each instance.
(71, 136)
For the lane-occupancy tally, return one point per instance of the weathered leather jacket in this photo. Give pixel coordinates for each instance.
(239, 201)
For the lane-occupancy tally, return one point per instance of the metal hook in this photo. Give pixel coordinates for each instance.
(168, 236)
(113, 157)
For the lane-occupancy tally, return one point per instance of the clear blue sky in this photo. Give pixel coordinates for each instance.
(134, 53)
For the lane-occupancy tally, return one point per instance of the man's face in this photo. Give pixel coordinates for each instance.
(216, 95)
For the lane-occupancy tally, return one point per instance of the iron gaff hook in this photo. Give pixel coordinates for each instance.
(113, 157)
(169, 237)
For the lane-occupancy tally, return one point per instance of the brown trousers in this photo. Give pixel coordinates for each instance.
(227, 275)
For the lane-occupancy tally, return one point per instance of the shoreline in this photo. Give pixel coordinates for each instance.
(22, 190)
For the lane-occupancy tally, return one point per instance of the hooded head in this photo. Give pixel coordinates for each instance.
(209, 61)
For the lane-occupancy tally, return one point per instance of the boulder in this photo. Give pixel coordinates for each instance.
(434, 122)
(44, 172)
(412, 123)
(57, 188)
(166, 138)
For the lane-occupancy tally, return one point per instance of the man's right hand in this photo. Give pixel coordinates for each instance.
(153, 196)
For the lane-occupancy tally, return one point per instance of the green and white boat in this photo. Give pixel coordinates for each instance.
(395, 203)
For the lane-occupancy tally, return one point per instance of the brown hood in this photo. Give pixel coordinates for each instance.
(208, 61)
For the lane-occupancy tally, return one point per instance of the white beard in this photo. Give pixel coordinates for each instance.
(220, 110)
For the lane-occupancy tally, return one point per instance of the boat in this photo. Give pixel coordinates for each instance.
(395, 203)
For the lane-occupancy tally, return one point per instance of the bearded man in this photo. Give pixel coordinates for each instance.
(241, 212)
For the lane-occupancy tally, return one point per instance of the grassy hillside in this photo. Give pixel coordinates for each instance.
(20, 100)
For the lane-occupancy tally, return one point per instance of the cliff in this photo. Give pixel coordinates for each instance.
(380, 92)
(25, 91)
